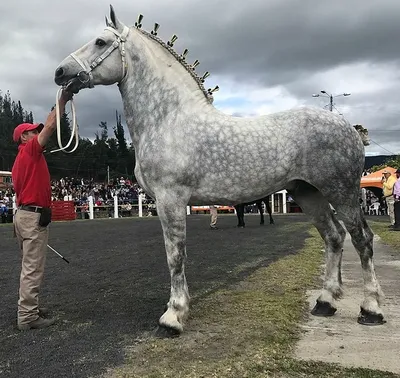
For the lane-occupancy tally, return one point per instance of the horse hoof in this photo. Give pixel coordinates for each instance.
(272, 222)
(164, 332)
(323, 309)
(369, 318)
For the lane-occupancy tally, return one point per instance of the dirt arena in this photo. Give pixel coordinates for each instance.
(117, 285)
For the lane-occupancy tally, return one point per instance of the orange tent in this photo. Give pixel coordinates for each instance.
(374, 179)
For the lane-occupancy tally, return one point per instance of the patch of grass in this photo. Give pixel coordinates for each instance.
(293, 368)
(391, 238)
(246, 330)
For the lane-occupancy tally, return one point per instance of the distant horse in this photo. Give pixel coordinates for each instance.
(188, 152)
(240, 211)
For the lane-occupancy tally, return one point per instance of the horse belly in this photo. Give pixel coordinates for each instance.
(242, 174)
(229, 191)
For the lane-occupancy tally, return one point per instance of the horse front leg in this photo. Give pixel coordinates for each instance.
(172, 214)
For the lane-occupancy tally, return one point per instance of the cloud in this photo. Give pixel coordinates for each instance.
(266, 56)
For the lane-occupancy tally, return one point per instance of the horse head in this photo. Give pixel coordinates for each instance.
(101, 61)
(122, 53)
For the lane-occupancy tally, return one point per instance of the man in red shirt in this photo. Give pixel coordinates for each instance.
(32, 187)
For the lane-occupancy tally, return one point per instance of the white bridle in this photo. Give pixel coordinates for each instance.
(85, 76)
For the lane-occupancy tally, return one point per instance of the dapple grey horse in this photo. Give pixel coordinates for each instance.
(188, 152)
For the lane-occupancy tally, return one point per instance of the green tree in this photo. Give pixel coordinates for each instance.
(393, 162)
(120, 135)
(126, 155)
(100, 151)
(12, 114)
(90, 160)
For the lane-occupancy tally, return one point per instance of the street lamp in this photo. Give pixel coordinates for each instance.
(331, 97)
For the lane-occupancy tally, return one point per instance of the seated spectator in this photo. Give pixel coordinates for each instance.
(3, 211)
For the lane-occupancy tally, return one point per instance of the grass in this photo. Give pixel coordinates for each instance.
(391, 238)
(247, 330)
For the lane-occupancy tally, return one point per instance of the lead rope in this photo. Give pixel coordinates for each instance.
(74, 131)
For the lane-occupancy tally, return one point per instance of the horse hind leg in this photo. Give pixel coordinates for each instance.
(317, 207)
(362, 239)
(334, 235)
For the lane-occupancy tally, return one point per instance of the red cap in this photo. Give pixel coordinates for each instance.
(25, 127)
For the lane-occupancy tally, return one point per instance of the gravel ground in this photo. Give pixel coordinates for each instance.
(117, 284)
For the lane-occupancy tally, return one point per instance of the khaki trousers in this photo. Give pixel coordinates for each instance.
(32, 240)
(390, 206)
(214, 215)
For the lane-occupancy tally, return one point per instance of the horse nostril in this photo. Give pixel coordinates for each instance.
(59, 72)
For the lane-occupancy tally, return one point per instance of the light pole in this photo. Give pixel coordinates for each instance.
(331, 97)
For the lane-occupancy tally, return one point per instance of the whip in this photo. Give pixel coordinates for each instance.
(74, 131)
(58, 254)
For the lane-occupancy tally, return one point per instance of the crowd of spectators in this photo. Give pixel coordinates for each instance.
(371, 204)
(79, 190)
(374, 205)
(6, 197)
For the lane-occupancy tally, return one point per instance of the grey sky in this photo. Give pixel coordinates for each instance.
(266, 55)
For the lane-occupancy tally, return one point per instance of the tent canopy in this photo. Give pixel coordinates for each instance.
(374, 179)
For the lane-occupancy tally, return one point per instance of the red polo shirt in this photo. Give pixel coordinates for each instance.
(30, 175)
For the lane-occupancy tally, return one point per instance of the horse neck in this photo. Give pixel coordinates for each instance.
(157, 89)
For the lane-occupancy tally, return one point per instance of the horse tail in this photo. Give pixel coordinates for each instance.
(363, 132)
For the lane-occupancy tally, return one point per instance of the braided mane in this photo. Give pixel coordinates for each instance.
(208, 93)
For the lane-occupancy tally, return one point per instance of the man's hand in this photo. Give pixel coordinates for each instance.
(51, 122)
(65, 96)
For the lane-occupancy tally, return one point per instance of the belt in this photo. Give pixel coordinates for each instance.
(33, 209)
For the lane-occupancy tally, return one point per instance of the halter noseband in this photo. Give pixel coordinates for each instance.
(85, 76)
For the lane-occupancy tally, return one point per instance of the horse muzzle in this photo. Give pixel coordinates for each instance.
(73, 83)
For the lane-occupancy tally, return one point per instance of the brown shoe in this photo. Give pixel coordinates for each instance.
(36, 324)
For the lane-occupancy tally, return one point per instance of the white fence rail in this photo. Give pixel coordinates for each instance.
(116, 210)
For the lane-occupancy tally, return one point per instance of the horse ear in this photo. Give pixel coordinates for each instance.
(108, 22)
(114, 19)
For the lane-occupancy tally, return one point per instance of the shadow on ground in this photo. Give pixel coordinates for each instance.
(117, 285)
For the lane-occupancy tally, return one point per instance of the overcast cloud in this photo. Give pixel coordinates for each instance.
(266, 55)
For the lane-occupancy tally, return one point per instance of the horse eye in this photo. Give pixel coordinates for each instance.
(100, 42)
